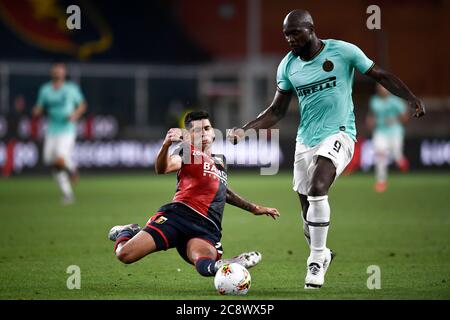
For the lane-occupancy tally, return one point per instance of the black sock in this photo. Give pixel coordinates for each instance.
(206, 267)
(124, 235)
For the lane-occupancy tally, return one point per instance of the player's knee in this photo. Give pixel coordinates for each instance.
(59, 163)
(124, 256)
(318, 188)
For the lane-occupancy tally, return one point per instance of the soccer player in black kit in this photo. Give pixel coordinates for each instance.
(191, 223)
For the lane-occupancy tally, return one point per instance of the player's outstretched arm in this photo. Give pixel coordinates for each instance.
(397, 87)
(237, 201)
(266, 119)
(166, 163)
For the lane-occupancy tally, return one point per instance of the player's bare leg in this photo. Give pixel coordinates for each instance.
(203, 255)
(131, 244)
(305, 205)
(129, 251)
(318, 219)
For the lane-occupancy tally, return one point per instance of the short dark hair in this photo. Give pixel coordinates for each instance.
(58, 61)
(194, 115)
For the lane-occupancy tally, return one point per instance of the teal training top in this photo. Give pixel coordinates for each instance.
(324, 89)
(387, 111)
(59, 104)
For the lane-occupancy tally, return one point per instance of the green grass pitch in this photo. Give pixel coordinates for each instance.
(405, 231)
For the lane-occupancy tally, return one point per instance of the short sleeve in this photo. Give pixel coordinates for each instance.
(179, 150)
(356, 57)
(283, 82)
(176, 149)
(221, 158)
(40, 102)
(78, 95)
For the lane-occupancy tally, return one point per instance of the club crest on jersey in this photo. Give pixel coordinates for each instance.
(161, 220)
(328, 65)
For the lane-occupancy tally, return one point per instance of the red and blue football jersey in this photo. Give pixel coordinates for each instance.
(202, 183)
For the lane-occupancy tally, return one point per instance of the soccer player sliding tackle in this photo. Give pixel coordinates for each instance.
(191, 223)
(321, 73)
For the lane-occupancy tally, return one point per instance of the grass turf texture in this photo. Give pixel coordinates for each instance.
(404, 231)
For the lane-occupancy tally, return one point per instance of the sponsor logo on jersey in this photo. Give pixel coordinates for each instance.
(316, 86)
(210, 169)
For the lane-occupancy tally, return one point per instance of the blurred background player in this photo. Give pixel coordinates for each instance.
(63, 103)
(192, 221)
(387, 114)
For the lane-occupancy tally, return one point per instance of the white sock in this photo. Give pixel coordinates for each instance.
(381, 168)
(71, 166)
(62, 178)
(318, 218)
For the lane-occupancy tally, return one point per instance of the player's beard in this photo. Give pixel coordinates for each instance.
(302, 51)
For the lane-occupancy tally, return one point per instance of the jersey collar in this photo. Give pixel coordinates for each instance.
(317, 53)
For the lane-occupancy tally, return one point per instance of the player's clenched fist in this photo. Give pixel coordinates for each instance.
(419, 108)
(174, 135)
(235, 135)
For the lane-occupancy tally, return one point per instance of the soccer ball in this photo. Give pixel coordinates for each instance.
(232, 279)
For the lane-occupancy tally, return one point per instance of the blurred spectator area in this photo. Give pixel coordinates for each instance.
(146, 63)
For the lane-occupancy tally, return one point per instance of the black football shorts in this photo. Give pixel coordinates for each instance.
(175, 224)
